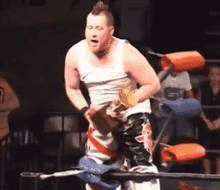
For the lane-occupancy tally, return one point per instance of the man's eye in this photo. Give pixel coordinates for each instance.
(89, 27)
(100, 29)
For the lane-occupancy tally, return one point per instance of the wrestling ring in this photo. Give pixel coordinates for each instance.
(30, 180)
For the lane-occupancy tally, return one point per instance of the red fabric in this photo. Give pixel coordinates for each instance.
(112, 154)
(186, 186)
(146, 137)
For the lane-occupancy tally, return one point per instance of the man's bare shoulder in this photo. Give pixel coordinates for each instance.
(128, 48)
(131, 52)
(183, 75)
(132, 56)
(73, 49)
(71, 56)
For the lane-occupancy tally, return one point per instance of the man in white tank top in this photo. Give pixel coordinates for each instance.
(106, 64)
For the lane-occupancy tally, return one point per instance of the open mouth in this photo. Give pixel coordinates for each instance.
(94, 41)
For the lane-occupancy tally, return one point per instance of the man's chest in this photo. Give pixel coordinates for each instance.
(102, 62)
(176, 82)
(173, 88)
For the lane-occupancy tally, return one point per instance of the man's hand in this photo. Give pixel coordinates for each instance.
(216, 123)
(157, 114)
(116, 110)
(90, 115)
(210, 125)
(126, 99)
(99, 120)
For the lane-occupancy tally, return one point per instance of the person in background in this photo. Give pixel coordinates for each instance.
(179, 130)
(8, 102)
(209, 132)
(175, 85)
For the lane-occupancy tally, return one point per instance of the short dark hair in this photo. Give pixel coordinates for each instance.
(101, 7)
(208, 68)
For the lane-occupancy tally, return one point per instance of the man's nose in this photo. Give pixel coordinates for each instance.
(94, 34)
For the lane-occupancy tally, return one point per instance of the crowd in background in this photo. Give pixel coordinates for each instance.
(203, 129)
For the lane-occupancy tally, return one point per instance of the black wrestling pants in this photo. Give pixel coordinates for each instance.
(135, 139)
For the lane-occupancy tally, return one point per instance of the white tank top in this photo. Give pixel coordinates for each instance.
(104, 83)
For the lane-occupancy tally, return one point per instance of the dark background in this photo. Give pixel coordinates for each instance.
(36, 34)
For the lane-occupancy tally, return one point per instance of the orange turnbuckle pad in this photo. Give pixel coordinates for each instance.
(183, 61)
(183, 152)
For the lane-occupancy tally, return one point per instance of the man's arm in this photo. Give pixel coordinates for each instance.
(72, 81)
(209, 124)
(155, 105)
(136, 65)
(189, 94)
(188, 86)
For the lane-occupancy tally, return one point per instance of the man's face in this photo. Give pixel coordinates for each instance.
(214, 75)
(98, 32)
(174, 73)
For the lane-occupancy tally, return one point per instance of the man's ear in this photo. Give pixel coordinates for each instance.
(112, 29)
